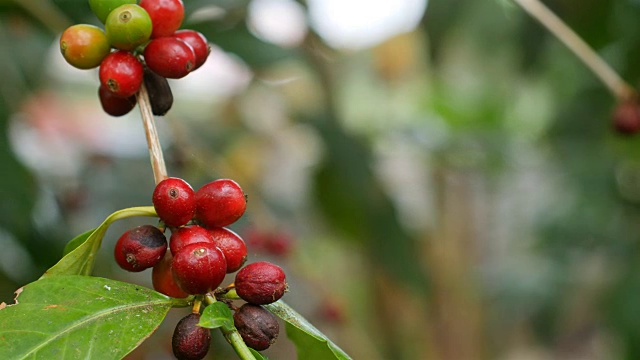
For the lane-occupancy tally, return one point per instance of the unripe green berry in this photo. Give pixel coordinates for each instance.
(128, 26)
(102, 8)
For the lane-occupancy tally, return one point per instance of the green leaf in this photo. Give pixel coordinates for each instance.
(217, 315)
(80, 252)
(80, 317)
(257, 355)
(311, 344)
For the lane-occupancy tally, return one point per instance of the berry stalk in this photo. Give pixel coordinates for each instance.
(153, 142)
(618, 87)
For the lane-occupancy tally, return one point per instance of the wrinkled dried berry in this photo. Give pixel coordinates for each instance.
(190, 341)
(260, 283)
(258, 327)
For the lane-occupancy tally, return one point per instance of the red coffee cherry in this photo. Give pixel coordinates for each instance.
(232, 246)
(258, 327)
(166, 16)
(220, 203)
(169, 57)
(261, 283)
(199, 268)
(162, 278)
(174, 201)
(187, 235)
(140, 248)
(128, 26)
(626, 117)
(113, 104)
(198, 43)
(121, 73)
(190, 341)
(84, 46)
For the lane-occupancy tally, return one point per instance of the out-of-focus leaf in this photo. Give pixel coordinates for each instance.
(79, 317)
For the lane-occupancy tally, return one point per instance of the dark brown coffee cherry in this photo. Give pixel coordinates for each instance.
(232, 246)
(190, 341)
(220, 203)
(199, 268)
(162, 278)
(258, 327)
(160, 94)
(140, 248)
(174, 201)
(187, 235)
(626, 117)
(261, 283)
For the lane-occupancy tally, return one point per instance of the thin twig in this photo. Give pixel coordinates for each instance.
(153, 142)
(618, 87)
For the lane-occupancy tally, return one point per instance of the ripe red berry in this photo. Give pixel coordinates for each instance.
(232, 246)
(261, 283)
(258, 327)
(128, 26)
(169, 57)
(174, 201)
(220, 203)
(187, 235)
(162, 278)
(190, 341)
(198, 43)
(84, 46)
(199, 268)
(166, 16)
(140, 248)
(113, 104)
(626, 117)
(121, 73)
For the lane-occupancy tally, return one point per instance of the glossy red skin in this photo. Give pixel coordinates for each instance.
(220, 203)
(140, 248)
(166, 16)
(199, 268)
(187, 235)
(174, 201)
(121, 73)
(260, 283)
(169, 57)
(198, 43)
(115, 105)
(232, 246)
(162, 278)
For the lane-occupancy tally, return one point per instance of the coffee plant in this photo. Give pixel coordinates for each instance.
(70, 313)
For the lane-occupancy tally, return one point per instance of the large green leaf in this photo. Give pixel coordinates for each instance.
(80, 317)
(311, 344)
(80, 252)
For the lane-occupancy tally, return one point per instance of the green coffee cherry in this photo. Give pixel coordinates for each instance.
(128, 26)
(84, 46)
(102, 8)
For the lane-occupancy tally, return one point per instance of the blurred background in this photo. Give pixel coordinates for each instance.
(439, 180)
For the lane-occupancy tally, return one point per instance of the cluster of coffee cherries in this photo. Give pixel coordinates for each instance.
(140, 43)
(200, 252)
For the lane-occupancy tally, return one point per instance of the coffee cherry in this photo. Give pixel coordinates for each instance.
(84, 46)
(232, 246)
(160, 95)
(128, 26)
(174, 201)
(166, 16)
(140, 248)
(187, 235)
(199, 268)
(260, 283)
(121, 73)
(162, 278)
(102, 8)
(626, 117)
(258, 327)
(190, 341)
(198, 43)
(220, 203)
(169, 57)
(113, 104)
